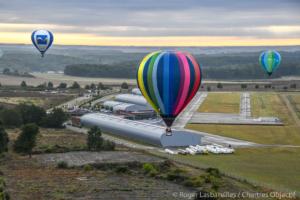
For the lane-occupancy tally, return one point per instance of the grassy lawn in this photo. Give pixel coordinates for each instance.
(221, 103)
(276, 168)
(263, 104)
(45, 102)
(54, 140)
(295, 101)
(17, 100)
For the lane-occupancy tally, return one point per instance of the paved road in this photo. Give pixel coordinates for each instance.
(189, 111)
(245, 105)
(74, 102)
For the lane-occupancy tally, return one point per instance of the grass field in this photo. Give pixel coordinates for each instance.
(263, 104)
(221, 103)
(45, 102)
(17, 100)
(276, 168)
(295, 101)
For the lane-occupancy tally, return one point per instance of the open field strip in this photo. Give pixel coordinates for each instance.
(263, 105)
(221, 103)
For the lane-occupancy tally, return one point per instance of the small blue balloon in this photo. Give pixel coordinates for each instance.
(270, 61)
(42, 40)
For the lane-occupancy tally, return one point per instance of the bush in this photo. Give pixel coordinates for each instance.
(10, 118)
(55, 119)
(31, 113)
(108, 145)
(3, 140)
(213, 171)
(3, 195)
(62, 165)
(150, 169)
(94, 139)
(219, 86)
(121, 169)
(27, 139)
(87, 168)
(194, 182)
(124, 85)
(95, 142)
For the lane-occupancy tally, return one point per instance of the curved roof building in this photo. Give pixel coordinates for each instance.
(136, 91)
(132, 98)
(147, 133)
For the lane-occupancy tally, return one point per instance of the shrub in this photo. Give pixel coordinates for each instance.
(62, 165)
(94, 139)
(194, 182)
(121, 169)
(55, 119)
(3, 140)
(87, 168)
(213, 171)
(26, 141)
(108, 145)
(177, 175)
(150, 169)
(10, 118)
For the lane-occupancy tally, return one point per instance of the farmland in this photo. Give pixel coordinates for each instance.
(262, 105)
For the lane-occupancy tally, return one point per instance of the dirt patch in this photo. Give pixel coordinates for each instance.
(27, 179)
(83, 158)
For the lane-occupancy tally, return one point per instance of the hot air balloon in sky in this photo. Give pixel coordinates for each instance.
(169, 80)
(42, 40)
(270, 61)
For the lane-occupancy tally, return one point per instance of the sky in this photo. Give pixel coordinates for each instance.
(154, 22)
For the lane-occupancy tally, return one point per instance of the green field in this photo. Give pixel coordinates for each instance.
(275, 168)
(263, 104)
(221, 103)
(295, 101)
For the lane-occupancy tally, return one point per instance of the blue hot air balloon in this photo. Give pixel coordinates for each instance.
(270, 61)
(42, 40)
(169, 80)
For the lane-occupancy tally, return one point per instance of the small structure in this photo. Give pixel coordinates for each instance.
(132, 98)
(140, 131)
(136, 91)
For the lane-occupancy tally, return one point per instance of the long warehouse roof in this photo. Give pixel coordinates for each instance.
(141, 131)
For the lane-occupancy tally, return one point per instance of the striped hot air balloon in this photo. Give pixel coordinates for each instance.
(270, 61)
(169, 80)
(42, 40)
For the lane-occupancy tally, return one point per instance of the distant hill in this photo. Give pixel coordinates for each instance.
(218, 66)
(122, 62)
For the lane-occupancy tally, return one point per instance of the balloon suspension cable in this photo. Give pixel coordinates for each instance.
(42, 55)
(168, 131)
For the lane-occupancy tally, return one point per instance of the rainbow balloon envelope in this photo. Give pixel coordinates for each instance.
(169, 80)
(270, 61)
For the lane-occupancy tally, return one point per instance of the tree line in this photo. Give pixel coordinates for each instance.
(221, 66)
(29, 113)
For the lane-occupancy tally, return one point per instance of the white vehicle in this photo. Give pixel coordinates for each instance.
(202, 149)
(190, 151)
(182, 152)
(170, 151)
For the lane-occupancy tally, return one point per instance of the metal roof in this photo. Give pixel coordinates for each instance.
(141, 131)
(132, 98)
(111, 103)
(136, 91)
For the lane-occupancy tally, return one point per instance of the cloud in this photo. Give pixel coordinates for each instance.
(147, 18)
